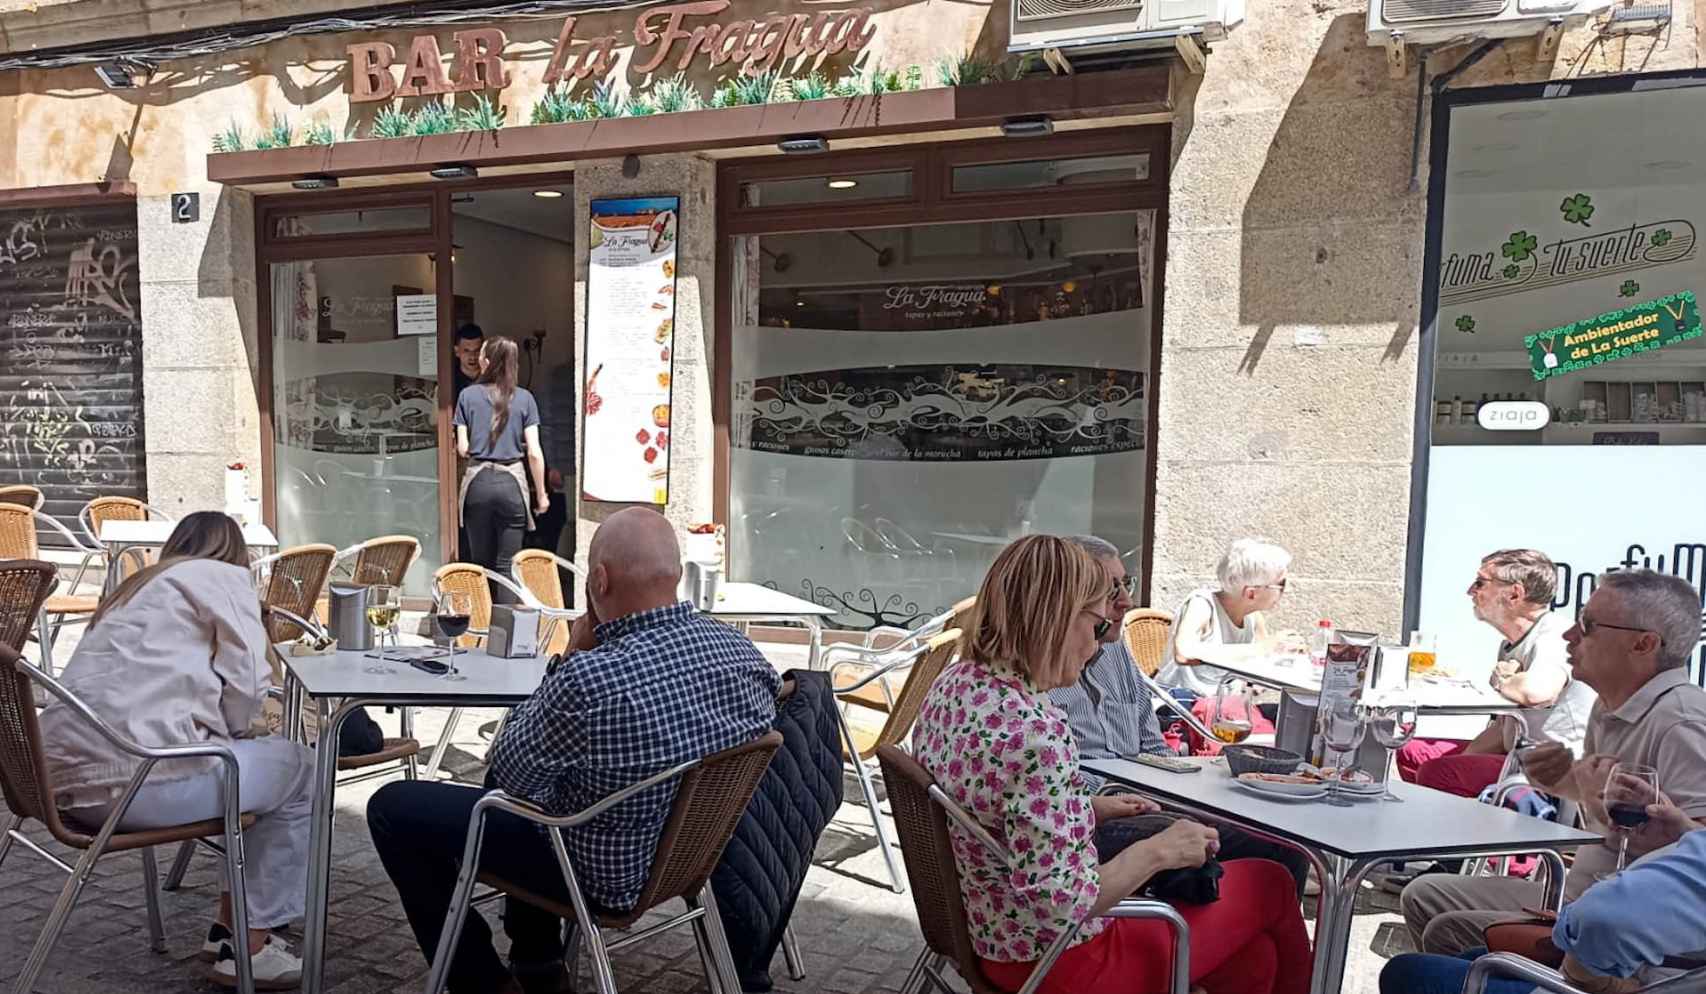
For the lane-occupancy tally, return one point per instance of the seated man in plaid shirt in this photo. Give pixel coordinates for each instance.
(649, 684)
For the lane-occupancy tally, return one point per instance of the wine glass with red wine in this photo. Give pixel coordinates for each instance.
(1628, 791)
(452, 615)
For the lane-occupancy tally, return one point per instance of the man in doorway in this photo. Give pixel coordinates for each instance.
(1512, 592)
(466, 347)
(1112, 716)
(1631, 644)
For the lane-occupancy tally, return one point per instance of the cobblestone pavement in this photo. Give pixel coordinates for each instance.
(856, 935)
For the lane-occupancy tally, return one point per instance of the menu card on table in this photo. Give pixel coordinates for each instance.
(630, 344)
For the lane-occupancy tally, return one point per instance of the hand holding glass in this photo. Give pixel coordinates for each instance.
(1628, 791)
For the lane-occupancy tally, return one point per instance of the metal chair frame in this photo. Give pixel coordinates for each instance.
(47, 633)
(86, 521)
(558, 616)
(1514, 967)
(10, 494)
(81, 873)
(528, 600)
(927, 971)
(896, 655)
(353, 553)
(701, 911)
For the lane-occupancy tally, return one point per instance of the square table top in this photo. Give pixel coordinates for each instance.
(1435, 695)
(754, 600)
(155, 532)
(488, 679)
(1429, 823)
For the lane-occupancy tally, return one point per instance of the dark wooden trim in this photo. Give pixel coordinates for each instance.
(68, 195)
(1141, 90)
(1160, 169)
(264, 389)
(722, 354)
(444, 272)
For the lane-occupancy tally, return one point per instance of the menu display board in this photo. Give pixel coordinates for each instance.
(630, 344)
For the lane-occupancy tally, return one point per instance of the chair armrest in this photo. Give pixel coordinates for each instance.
(112, 734)
(501, 800)
(313, 628)
(877, 673)
(900, 634)
(1160, 694)
(1514, 967)
(64, 532)
(830, 654)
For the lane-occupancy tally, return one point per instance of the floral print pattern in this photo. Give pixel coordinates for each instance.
(1002, 750)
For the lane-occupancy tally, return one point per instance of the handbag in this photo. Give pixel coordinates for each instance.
(360, 735)
(1189, 885)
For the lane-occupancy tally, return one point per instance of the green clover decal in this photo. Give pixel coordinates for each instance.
(1520, 246)
(1512, 271)
(1629, 289)
(1466, 324)
(1577, 209)
(1662, 237)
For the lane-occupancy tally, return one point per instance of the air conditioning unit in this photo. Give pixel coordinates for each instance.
(1118, 25)
(1433, 22)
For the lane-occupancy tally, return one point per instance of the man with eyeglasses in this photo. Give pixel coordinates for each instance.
(1631, 644)
(1512, 592)
(1112, 716)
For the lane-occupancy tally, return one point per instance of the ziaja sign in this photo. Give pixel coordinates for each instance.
(667, 38)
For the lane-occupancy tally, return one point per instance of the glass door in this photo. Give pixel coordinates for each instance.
(355, 360)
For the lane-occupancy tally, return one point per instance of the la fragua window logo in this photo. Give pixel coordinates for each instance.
(1615, 335)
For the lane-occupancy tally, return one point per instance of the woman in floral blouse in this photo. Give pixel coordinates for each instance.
(996, 744)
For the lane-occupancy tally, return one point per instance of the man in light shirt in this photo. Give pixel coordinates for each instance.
(1512, 593)
(1631, 644)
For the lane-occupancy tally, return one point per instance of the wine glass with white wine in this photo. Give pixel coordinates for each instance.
(384, 608)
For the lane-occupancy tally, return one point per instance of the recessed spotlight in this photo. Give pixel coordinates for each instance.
(1666, 165)
(548, 194)
(1522, 115)
(842, 184)
(454, 172)
(1027, 127)
(316, 183)
(1497, 147)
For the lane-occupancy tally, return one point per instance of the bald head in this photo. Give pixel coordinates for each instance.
(634, 563)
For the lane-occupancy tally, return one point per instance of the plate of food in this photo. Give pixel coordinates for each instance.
(1287, 786)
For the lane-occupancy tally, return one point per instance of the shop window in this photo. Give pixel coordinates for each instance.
(1570, 371)
(374, 220)
(831, 188)
(1088, 171)
(906, 401)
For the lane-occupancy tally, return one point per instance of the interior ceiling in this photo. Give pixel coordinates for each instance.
(518, 208)
(1649, 138)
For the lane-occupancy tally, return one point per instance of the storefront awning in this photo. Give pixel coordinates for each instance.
(1137, 95)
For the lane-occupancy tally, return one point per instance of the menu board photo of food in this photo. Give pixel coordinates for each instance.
(630, 343)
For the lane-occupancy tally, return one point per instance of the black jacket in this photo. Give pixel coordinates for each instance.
(760, 874)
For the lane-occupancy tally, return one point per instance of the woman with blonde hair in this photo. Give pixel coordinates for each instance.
(996, 744)
(177, 655)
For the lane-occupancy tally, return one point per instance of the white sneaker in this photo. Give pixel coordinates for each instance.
(276, 968)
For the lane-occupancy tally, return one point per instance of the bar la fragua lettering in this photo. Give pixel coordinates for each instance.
(665, 39)
(1615, 335)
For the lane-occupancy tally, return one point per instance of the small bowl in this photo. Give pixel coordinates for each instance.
(1242, 759)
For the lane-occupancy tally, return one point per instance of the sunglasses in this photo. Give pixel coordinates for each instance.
(1482, 581)
(1589, 626)
(1124, 585)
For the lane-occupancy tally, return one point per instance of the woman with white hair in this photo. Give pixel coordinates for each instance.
(1225, 624)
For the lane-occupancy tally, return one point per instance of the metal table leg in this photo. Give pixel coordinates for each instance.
(815, 627)
(320, 842)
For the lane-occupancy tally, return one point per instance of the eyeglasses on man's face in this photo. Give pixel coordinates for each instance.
(1126, 585)
(1481, 581)
(1279, 585)
(1590, 625)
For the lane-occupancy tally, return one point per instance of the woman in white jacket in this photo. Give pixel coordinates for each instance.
(177, 655)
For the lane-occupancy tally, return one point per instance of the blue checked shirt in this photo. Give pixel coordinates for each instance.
(663, 687)
(1110, 711)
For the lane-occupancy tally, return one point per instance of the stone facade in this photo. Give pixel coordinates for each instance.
(1293, 277)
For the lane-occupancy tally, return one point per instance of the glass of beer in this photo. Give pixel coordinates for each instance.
(1234, 712)
(1422, 656)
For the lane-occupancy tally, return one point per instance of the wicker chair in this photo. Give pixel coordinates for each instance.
(101, 510)
(1146, 631)
(292, 580)
(30, 793)
(25, 585)
(538, 571)
(712, 796)
(23, 495)
(383, 560)
(861, 741)
(921, 813)
(18, 526)
(899, 645)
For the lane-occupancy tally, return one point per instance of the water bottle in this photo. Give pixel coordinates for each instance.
(1318, 643)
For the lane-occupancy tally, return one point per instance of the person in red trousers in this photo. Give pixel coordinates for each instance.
(1000, 748)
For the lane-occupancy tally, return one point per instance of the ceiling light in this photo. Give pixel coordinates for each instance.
(1027, 127)
(454, 172)
(804, 145)
(316, 183)
(842, 184)
(548, 194)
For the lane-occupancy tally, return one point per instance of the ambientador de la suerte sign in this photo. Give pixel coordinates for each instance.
(666, 39)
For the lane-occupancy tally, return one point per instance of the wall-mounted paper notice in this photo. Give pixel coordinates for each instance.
(426, 351)
(417, 314)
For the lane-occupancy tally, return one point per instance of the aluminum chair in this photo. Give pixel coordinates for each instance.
(537, 570)
(1514, 967)
(292, 580)
(383, 560)
(901, 647)
(921, 815)
(1511, 778)
(862, 742)
(25, 585)
(30, 793)
(709, 803)
(475, 581)
(23, 495)
(104, 509)
(18, 528)
(1159, 696)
